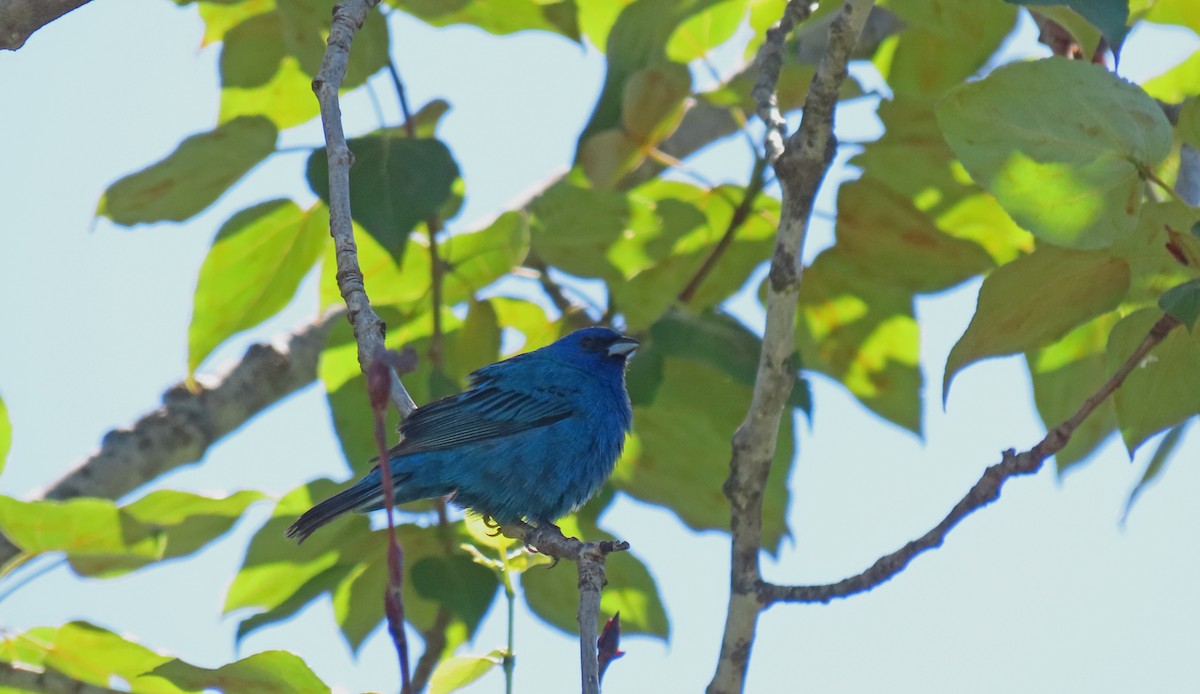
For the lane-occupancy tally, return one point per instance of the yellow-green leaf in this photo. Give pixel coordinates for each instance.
(269, 672)
(5, 434)
(1035, 301)
(458, 671)
(252, 271)
(192, 177)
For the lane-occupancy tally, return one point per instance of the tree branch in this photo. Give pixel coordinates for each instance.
(984, 492)
(590, 557)
(48, 681)
(20, 18)
(800, 163)
(369, 329)
(181, 431)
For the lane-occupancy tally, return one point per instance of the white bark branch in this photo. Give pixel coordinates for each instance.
(800, 162)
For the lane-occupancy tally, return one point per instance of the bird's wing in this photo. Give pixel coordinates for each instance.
(488, 411)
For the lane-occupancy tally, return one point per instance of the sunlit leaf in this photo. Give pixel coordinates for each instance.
(456, 672)
(270, 671)
(1061, 144)
(252, 271)
(1183, 302)
(1015, 313)
(1064, 375)
(1164, 388)
(192, 177)
(85, 653)
(5, 434)
(396, 182)
(503, 17)
(102, 539)
(863, 334)
(706, 30)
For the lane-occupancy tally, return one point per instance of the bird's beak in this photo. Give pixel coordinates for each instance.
(623, 347)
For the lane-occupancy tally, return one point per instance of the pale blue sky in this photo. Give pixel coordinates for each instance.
(1043, 592)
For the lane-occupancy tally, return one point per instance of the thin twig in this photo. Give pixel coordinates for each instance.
(435, 643)
(800, 162)
(985, 491)
(590, 557)
(740, 215)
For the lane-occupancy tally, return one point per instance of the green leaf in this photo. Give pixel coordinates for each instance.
(1061, 144)
(1064, 375)
(103, 540)
(456, 672)
(270, 671)
(252, 271)
(678, 455)
(192, 177)
(456, 582)
(259, 77)
(5, 434)
(1164, 389)
(1160, 252)
(1178, 83)
(220, 17)
(1180, 12)
(713, 338)
(942, 44)
(1016, 314)
(86, 653)
(1086, 35)
(704, 31)
(497, 17)
(885, 235)
(1158, 463)
(553, 592)
(863, 334)
(1183, 302)
(396, 182)
(1109, 16)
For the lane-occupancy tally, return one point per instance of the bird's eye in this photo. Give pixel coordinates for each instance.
(588, 343)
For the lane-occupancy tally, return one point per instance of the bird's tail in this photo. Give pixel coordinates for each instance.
(365, 496)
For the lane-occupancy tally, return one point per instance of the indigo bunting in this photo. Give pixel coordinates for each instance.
(534, 436)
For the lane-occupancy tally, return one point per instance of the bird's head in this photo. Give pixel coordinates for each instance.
(594, 348)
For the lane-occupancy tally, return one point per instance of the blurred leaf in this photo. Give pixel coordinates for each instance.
(716, 339)
(882, 233)
(5, 434)
(220, 17)
(457, 583)
(315, 587)
(1086, 35)
(103, 540)
(192, 177)
(497, 16)
(476, 259)
(527, 318)
(1179, 12)
(863, 334)
(456, 672)
(1183, 302)
(1158, 463)
(637, 39)
(270, 671)
(678, 455)
(607, 156)
(1178, 83)
(1064, 375)
(1071, 174)
(396, 183)
(252, 271)
(942, 44)
(476, 345)
(1164, 389)
(652, 103)
(86, 653)
(705, 30)
(553, 592)
(1109, 16)
(1015, 314)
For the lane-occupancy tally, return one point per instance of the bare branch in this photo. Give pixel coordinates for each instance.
(984, 492)
(369, 329)
(590, 557)
(189, 421)
(800, 163)
(20, 18)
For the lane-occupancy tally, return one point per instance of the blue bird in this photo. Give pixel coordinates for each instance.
(534, 436)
